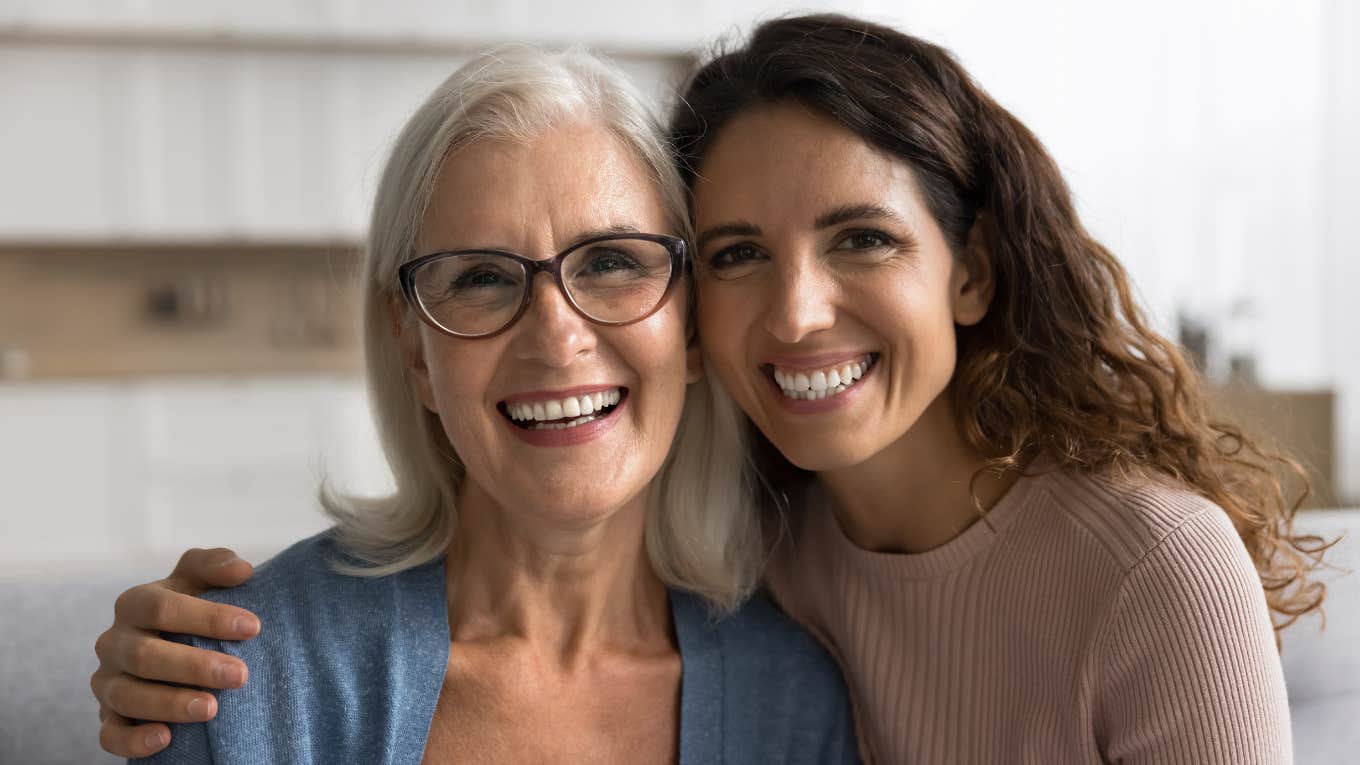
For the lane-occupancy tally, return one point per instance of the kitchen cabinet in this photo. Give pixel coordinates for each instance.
(94, 473)
(188, 136)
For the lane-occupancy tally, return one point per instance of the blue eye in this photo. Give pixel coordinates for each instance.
(611, 261)
(602, 266)
(478, 278)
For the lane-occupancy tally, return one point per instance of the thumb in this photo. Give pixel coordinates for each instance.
(199, 569)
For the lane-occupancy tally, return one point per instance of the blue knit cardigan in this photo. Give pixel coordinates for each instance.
(348, 669)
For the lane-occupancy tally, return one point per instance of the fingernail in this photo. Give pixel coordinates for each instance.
(244, 625)
(228, 561)
(156, 740)
(229, 676)
(198, 708)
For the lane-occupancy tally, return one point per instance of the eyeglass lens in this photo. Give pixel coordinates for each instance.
(612, 281)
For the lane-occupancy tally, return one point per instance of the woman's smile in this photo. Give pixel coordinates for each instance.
(564, 417)
(811, 381)
(561, 409)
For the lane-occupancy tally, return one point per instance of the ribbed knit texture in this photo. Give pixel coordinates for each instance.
(1083, 621)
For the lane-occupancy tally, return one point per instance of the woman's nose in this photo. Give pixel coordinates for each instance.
(802, 301)
(551, 331)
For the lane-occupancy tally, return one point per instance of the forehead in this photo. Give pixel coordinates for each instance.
(774, 161)
(540, 193)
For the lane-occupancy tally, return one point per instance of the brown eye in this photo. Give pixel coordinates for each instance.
(865, 240)
(736, 261)
(737, 253)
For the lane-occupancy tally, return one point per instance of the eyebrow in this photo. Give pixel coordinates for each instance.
(584, 236)
(735, 228)
(832, 217)
(847, 213)
(617, 228)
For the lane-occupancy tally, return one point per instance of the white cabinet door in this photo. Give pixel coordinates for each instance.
(60, 453)
(239, 463)
(97, 473)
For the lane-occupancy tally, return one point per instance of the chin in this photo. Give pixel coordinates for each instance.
(823, 457)
(578, 508)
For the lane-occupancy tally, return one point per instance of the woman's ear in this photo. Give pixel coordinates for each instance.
(973, 277)
(412, 350)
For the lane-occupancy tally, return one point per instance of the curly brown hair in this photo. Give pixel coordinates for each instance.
(1064, 362)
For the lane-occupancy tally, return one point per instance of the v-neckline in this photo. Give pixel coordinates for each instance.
(701, 667)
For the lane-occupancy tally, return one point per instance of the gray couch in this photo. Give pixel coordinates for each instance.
(1322, 666)
(48, 716)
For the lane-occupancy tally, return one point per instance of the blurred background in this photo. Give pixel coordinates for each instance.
(183, 185)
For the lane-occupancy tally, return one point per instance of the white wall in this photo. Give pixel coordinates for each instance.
(1340, 295)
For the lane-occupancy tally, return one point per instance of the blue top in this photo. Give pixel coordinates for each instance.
(348, 669)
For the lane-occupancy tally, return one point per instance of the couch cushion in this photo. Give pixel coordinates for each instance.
(47, 715)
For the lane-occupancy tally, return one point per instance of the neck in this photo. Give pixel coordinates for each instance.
(919, 492)
(565, 589)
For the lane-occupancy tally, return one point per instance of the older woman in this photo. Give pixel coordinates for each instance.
(540, 588)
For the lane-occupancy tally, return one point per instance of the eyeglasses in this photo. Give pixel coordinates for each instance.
(613, 280)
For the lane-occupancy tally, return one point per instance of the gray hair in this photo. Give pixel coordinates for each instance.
(701, 534)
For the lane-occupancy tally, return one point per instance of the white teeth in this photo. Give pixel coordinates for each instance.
(818, 384)
(562, 425)
(576, 410)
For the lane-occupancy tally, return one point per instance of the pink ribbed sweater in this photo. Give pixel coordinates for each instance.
(1085, 621)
